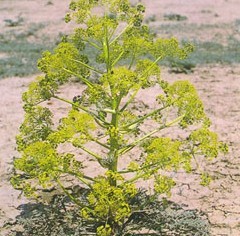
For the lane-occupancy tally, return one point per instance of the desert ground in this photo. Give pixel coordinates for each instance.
(217, 82)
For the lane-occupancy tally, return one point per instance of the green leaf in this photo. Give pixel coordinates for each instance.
(205, 179)
(206, 143)
(163, 184)
(183, 95)
(56, 65)
(163, 153)
(37, 126)
(76, 125)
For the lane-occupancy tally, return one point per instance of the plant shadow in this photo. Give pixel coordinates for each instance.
(61, 218)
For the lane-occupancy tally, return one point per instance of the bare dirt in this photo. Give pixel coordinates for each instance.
(218, 86)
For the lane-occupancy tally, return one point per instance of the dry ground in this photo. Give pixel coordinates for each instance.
(218, 86)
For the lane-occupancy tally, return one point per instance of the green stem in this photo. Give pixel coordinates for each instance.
(87, 66)
(86, 81)
(92, 44)
(73, 104)
(96, 156)
(111, 34)
(89, 178)
(140, 169)
(82, 178)
(129, 100)
(101, 123)
(121, 33)
(135, 178)
(69, 194)
(83, 109)
(175, 121)
(100, 143)
(113, 154)
(118, 58)
(142, 75)
(135, 143)
(132, 60)
(113, 135)
(144, 117)
(106, 49)
(114, 144)
(150, 67)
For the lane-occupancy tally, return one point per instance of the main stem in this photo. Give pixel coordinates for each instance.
(113, 132)
(114, 148)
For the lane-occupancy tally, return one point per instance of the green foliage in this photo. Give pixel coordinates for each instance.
(183, 96)
(37, 119)
(206, 143)
(75, 123)
(151, 18)
(14, 22)
(65, 58)
(185, 66)
(105, 115)
(174, 17)
(20, 53)
(108, 201)
(212, 51)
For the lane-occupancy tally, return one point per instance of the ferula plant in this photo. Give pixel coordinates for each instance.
(114, 56)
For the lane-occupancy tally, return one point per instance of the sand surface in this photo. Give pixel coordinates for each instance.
(218, 86)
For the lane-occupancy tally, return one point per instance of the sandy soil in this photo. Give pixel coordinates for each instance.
(218, 86)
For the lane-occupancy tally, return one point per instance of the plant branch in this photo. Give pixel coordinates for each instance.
(73, 104)
(69, 194)
(118, 58)
(86, 81)
(106, 48)
(112, 33)
(142, 75)
(169, 124)
(126, 171)
(96, 118)
(100, 143)
(98, 158)
(82, 178)
(135, 143)
(120, 34)
(92, 44)
(87, 66)
(144, 117)
(138, 176)
(130, 100)
(150, 67)
(132, 60)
